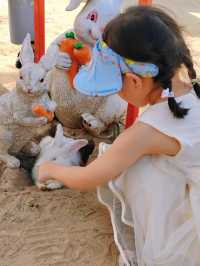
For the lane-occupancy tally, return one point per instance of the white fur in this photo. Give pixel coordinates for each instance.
(18, 125)
(61, 150)
(73, 4)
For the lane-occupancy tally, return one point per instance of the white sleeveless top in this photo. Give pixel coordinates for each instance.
(155, 204)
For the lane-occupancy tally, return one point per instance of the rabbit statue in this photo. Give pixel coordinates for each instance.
(61, 150)
(18, 124)
(74, 109)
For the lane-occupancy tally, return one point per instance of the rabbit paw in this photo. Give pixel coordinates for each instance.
(63, 61)
(92, 124)
(13, 162)
(52, 106)
(52, 185)
(42, 121)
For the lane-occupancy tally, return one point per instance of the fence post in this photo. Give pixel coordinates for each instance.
(132, 111)
(145, 2)
(39, 28)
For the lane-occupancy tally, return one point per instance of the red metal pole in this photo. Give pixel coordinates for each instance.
(39, 28)
(132, 111)
(132, 114)
(145, 2)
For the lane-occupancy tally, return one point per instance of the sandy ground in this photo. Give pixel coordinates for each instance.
(62, 228)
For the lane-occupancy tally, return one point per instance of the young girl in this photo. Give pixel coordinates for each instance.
(149, 178)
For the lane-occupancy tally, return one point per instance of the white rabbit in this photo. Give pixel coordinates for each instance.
(18, 125)
(61, 150)
(75, 109)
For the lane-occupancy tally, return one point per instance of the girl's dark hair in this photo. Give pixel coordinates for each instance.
(150, 35)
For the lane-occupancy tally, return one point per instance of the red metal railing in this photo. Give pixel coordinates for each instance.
(132, 111)
(39, 28)
(145, 2)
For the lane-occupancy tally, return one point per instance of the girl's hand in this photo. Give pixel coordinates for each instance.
(44, 172)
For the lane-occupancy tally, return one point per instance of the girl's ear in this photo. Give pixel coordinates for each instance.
(133, 80)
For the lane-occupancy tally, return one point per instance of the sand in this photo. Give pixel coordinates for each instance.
(64, 227)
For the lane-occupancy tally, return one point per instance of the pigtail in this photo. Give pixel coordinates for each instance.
(191, 71)
(174, 106)
(196, 87)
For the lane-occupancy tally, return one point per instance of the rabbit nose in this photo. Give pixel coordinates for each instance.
(29, 90)
(93, 35)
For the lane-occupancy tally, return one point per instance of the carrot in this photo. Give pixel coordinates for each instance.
(79, 55)
(67, 46)
(82, 53)
(39, 110)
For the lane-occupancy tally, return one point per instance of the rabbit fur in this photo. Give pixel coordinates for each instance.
(74, 109)
(18, 125)
(60, 150)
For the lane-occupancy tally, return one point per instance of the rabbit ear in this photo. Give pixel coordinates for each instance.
(115, 6)
(76, 145)
(117, 3)
(59, 135)
(26, 54)
(48, 61)
(73, 4)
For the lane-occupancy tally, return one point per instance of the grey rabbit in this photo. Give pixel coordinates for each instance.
(18, 124)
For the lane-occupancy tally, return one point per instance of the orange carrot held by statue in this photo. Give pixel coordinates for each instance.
(79, 53)
(40, 110)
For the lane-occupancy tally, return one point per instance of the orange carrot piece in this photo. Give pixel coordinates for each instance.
(80, 55)
(39, 110)
(67, 46)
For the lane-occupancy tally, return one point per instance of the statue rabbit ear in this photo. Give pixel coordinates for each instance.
(26, 53)
(73, 4)
(116, 5)
(48, 61)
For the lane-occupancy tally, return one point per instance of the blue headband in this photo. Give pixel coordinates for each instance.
(103, 75)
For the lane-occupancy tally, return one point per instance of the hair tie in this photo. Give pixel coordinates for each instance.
(167, 93)
(194, 81)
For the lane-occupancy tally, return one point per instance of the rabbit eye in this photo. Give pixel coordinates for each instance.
(20, 77)
(42, 80)
(93, 16)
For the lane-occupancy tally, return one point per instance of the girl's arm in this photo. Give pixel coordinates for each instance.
(135, 142)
